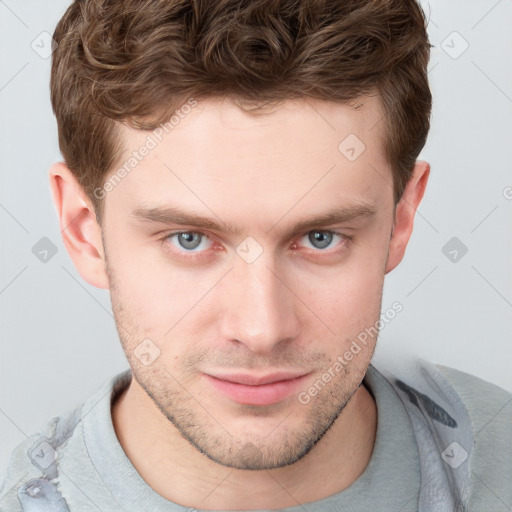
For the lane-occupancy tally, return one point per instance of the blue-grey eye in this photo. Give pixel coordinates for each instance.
(190, 240)
(321, 239)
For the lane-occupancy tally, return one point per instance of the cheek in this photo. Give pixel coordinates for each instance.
(138, 284)
(349, 301)
(351, 309)
(349, 304)
(157, 298)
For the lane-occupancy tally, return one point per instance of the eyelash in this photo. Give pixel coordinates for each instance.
(346, 240)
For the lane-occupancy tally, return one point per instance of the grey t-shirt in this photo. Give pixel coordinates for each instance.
(94, 473)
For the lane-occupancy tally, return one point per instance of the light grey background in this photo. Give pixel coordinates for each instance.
(58, 340)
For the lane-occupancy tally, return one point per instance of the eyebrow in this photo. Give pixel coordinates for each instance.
(173, 215)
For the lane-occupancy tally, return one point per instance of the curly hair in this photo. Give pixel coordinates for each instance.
(137, 61)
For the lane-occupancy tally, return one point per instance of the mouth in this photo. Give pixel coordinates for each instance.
(253, 389)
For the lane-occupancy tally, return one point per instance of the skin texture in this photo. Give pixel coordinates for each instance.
(297, 306)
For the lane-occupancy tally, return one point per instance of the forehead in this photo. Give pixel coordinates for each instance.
(300, 150)
(221, 123)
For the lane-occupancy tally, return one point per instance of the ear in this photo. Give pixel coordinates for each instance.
(80, 231)
(404, 214)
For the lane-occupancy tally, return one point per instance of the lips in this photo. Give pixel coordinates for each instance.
(253, 389)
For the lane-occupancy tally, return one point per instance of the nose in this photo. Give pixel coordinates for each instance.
(260, 308)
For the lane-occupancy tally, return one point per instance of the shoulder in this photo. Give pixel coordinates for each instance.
(488, 405)
(32, 464)
(490, 409)
(23, 465)
(32, 480)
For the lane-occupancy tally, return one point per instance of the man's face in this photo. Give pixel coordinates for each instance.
(225, 311)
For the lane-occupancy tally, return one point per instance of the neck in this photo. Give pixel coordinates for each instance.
(173, 468)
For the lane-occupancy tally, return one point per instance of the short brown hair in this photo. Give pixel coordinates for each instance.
(136, 61)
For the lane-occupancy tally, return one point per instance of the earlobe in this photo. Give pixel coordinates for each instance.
(80, 231)
(404, 214)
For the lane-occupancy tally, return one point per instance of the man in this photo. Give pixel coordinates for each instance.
(242, 176)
